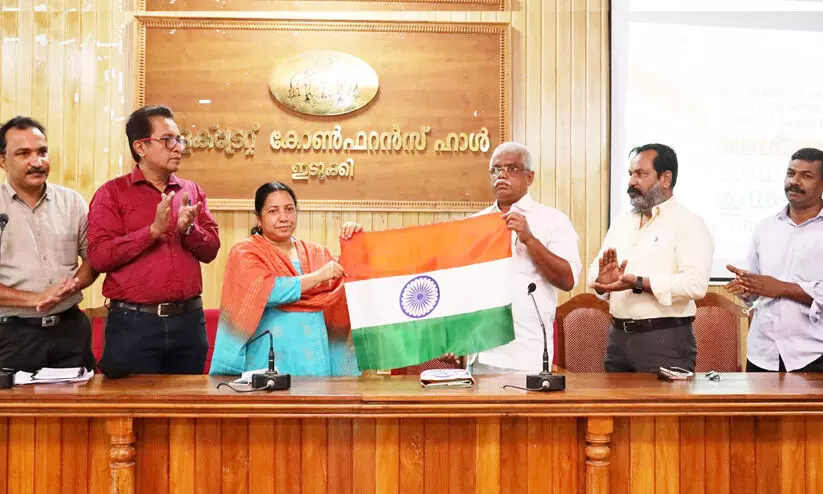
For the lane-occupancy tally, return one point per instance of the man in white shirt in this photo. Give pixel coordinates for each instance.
(544, 248)
(655, 262)
(783, 276)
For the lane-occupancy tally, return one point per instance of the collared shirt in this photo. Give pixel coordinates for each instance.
(673, 249)
(140, 269)
(782, 327)
(40, 246)
(554, 230)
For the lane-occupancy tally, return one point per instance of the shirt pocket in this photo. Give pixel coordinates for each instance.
(66, 247)
(808, 263)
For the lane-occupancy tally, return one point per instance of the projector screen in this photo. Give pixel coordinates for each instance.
(734, 86)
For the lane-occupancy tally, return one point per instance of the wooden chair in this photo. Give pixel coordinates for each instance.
(717, 331)
(582, 333)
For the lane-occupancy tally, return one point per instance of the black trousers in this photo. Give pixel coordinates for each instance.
(28, 347)
(647, 352)
(814, 366)
(143, 343)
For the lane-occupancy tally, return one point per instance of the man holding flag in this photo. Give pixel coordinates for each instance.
(461, 287)
(544, 252)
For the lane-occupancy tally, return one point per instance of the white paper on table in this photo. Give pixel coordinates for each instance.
(22, 377)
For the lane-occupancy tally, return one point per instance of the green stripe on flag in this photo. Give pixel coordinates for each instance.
(408, 343)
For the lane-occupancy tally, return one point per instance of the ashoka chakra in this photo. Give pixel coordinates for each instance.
(419, 297)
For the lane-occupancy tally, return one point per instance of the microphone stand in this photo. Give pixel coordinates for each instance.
(545, 381)
(271, 380)
(4, 220)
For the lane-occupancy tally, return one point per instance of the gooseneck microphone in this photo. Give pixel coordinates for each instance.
(271, 380)
(4, 220)
(545, 381)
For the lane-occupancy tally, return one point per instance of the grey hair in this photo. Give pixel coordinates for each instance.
(515, 148)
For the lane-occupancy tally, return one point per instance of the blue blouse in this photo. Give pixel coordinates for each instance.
(301, 342)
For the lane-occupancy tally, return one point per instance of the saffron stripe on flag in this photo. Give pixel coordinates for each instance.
(420, 249)
(399, 345)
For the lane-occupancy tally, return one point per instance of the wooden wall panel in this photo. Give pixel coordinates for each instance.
(68, 64)
(325, 5)
(743, 455)
(207, 450)
(559, 81)
(75, 451)
(814, 454)
(387, 456)
(262, 457)
(653, 455)
(234, 437)
(412, 455)
(182, 459)
(4, 454)
(153, 455)
(47, 455)
(693, 454)
(718, 456)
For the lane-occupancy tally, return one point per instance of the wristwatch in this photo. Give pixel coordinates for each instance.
(638, 285)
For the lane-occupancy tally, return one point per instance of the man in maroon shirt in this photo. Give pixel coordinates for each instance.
(149, 231)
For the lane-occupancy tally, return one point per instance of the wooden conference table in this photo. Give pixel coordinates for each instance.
(746, 433)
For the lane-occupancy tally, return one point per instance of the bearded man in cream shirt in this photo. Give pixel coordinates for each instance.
(654, 263)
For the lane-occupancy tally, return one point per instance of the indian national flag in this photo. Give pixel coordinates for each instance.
(417, 293)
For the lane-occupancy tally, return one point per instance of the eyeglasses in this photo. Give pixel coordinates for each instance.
(509, 169)
(171, 142)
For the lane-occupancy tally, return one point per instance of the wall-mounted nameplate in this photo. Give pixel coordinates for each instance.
(299, 102)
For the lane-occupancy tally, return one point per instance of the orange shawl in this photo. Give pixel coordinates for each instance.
(251, 269)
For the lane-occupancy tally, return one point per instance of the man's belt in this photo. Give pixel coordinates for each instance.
(37, 322)
(165, 309)
(644, 325)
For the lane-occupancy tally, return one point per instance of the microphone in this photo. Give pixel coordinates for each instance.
(545, 381)
(271, 380)
(4, 219)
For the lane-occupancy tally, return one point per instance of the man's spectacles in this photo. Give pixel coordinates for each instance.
(509, 169)
(171, 142)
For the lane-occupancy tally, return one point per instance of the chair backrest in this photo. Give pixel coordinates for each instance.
(97, 316)
(717, 331)
(582, 333)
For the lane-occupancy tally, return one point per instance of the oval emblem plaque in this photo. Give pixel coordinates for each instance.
(323, 83)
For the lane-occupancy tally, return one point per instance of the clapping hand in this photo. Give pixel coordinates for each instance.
(53, 295)
(160, 226)
(748, 285)
(611, 276)
(187, 213)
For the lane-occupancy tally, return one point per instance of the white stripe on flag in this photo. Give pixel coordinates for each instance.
(377, 302)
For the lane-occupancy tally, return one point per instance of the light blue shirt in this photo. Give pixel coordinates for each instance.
(782, 327)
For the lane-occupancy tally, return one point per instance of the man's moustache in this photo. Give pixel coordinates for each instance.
(36, 170)
(794, 188)
(501, 181)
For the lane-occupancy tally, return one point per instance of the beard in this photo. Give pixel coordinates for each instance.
(643, 203)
